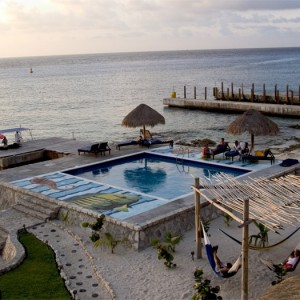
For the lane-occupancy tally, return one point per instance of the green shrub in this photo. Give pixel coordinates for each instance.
(203, 289)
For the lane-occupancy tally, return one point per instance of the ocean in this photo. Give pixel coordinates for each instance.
(87, 96)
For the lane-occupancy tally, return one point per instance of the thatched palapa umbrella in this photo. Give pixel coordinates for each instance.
(255, 123)
(143, 115)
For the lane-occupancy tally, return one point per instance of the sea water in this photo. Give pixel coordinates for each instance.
(87, 96)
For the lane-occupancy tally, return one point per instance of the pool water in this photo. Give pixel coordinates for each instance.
(157, 175)
(125, 187)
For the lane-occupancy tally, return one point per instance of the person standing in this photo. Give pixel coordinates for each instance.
(18, 137)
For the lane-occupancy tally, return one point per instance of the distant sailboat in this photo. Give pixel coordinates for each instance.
(31, 71)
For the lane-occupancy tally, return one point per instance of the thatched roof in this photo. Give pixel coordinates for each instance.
(254, 122)
(143, 115)
(288, 289)
(273, 202)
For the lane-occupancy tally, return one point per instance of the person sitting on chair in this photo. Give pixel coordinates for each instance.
(221, 146)
(5, 142)
(237, 147)
(205, 153)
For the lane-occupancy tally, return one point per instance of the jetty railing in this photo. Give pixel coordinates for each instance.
(249, 93)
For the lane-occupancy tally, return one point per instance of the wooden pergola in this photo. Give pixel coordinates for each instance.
(273, 202)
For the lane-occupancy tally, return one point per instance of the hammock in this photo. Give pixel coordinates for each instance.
(261, 248)
(275, 268)
(209, 251)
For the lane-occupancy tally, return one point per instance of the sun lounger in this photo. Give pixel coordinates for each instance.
(125, 143)
(267, 155)
(103, 147)
(149, 142)
(220, 150)
(231, 154)
(94, 148)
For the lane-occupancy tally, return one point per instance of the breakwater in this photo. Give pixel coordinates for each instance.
(239, 100)
(234, 106)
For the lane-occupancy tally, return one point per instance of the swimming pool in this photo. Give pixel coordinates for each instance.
(148, 173)
(127, 186)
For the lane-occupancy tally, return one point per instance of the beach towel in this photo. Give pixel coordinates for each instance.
(289, 162)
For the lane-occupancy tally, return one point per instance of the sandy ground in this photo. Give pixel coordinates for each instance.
(141, 275)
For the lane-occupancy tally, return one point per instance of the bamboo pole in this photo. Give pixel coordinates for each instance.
(197, 219)
(244, 292)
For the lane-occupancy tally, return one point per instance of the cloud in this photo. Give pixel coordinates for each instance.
(129, 25)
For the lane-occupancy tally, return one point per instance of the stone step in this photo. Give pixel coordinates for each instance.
(30, 212)
(40, 202)
(51, 212)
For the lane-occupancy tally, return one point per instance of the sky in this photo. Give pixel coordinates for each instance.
(55, 27)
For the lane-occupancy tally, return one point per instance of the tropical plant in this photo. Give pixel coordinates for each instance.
(96, 228)
(227, 219)
(261, 238)
(203, 288)
(109, 241)
(166, 247)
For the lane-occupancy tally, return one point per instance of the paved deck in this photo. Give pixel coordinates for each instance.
(71, 246)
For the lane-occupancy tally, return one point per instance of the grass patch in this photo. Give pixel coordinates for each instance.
(37, 277)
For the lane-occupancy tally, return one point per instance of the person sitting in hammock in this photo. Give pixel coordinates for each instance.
(222, 269)
(290, 263)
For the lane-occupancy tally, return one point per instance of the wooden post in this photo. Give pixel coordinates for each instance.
(227, 93)
(194, 92)
(287, 94)
(275, 93)
(232, 95)
(222, 90)
(252, 93)
(243, 89)
(244, 292)
(184, 92)
(240, 96)
(197, 220)
(205, 93)
(299, 93)
(292, 97)
(264, 93)
(278, 100)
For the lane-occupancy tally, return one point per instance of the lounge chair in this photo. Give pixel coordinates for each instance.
(126, 143)
(266, 155)
(149, 142)
(233, 153)
(220, 150)
(103, 147)
(94, 148)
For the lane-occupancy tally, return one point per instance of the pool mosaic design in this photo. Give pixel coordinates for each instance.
(95, 196)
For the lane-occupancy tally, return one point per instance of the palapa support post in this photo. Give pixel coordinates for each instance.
(184, 92)
(275, 93)
(197, 219)
(195, 92)
(264, 93)
(205, 93)
(244, 292)
(232, 95)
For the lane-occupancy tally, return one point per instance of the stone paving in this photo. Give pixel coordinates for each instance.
(74, 261)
